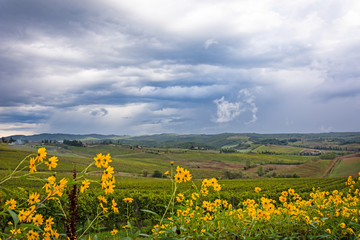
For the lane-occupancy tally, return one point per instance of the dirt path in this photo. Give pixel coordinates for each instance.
(337, 160)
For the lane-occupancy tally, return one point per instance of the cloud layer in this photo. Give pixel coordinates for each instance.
(140, 67)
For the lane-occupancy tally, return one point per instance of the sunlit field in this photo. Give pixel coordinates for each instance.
(73, 196)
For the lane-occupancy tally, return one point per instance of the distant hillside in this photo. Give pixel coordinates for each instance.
(207, 141)
(62, 136)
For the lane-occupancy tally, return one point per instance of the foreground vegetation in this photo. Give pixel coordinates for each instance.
(91, 204)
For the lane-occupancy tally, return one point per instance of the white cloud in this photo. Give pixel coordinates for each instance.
(229, 111)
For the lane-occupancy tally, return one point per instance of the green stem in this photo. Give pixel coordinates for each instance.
(90, 224)
(171, 201)
(13, 172)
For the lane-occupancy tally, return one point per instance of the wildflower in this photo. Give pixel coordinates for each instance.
(17, 231)
(106, 160)
(85, 185)
(32, 235)
(128, 200)
(284, 193)
(194, 196)
(282, 199)
(41, 154)
(328, 231)
(125, 226)
(38, 219)
(166, 173)
(22, 215)
(107, 173)
(99, 160)
(179, 170)
(105, 210)
(291, 191)
(109, 185)
(178, 178)
(32, 165)
(52, 162)
(11, 203)
(54, 233)
(257, 189)
(113, 206)
(49, 222)
(114, 232)
(342, 225)
(180, 197)
(217, 187)
(102, 199)
(33, 198)
(186, 176)
(172, 163)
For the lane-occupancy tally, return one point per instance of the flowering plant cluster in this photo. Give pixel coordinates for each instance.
(30, 223)
(331, 215)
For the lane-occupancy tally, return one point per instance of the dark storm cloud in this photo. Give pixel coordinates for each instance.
(134, 67)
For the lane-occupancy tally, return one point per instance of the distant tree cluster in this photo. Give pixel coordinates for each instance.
(11, 140)
(75, 143)
(227, 150)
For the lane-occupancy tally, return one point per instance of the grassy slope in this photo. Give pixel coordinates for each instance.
(129, 162)
(347, 167)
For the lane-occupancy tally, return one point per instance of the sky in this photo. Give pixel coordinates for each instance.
(189, 67)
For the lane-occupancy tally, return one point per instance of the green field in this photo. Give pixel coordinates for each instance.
(153, 194)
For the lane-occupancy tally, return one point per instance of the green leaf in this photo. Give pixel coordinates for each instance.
(125, 238)
(31, 226)
(14, 217)
(151, 212)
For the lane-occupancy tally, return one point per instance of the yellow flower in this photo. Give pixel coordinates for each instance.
(180, 197)
(166, 173)
(291, 191)
(102, 199)
(41, 154)
(106, 160)
(49, 222)
(342, 225)
(178, 177)
(114, 231)
(11, 203)
(128, 200)
(172, 163)
(31, 235)
(52, 162)
(186, 176)
(109, 185)
(113, 206)
(126, 226)
(284, 193)
(103, 208)
(282, 199)
(38, 219)
(217, 187)
(99, 160)
(33, 198)
(108, 173)
(257, 189)
(54, 233)
(32, 165)
(85, 185)
(328, 231)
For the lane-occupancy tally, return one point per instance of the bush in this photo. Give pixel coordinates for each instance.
(157, 174)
